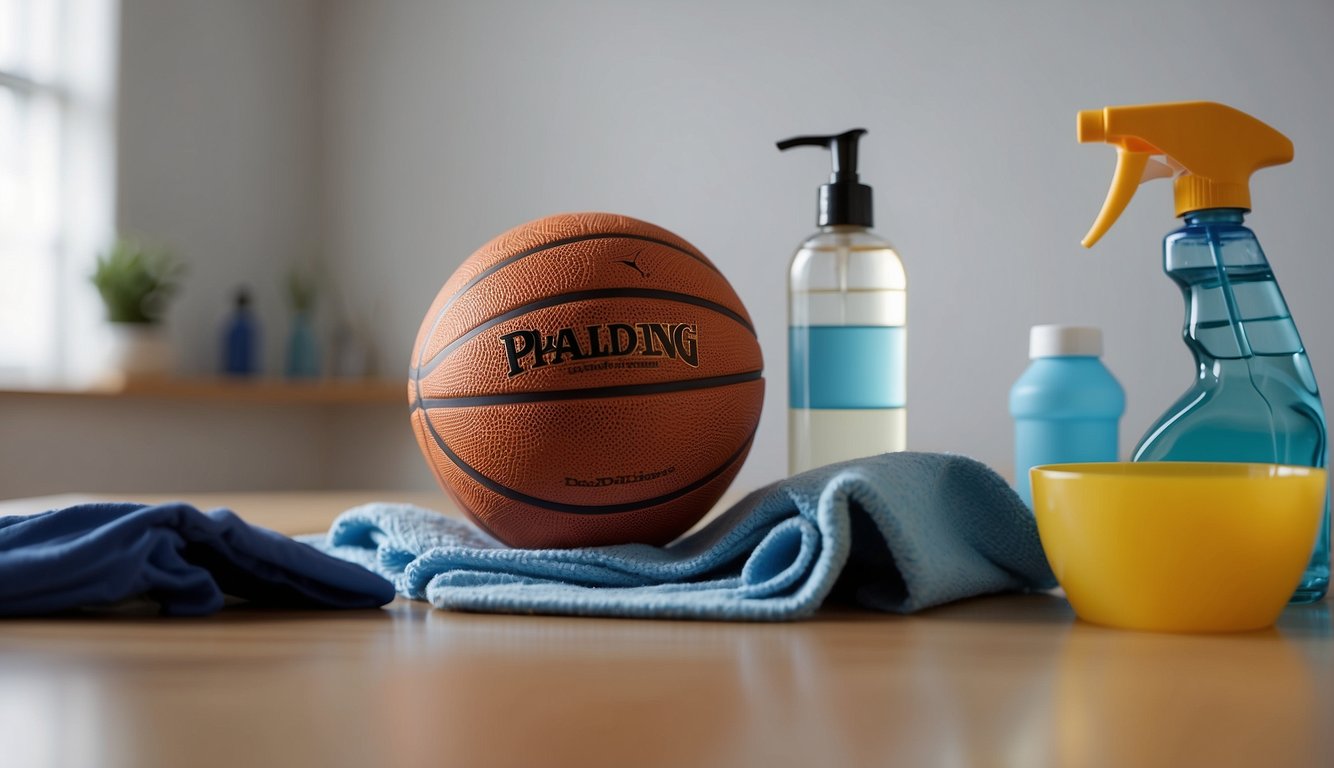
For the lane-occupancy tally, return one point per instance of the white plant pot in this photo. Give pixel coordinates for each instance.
(138, 349)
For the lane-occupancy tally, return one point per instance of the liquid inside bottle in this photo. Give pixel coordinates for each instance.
(847, 349)
(1255, 396)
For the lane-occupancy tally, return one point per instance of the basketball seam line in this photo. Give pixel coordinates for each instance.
(580, 509)
(555, 244)
(590, 393)
(569, 298)
(480, 276)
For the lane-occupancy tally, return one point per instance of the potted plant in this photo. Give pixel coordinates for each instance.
(136, 281)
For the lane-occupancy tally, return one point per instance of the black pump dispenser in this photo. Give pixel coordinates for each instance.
(844, 200)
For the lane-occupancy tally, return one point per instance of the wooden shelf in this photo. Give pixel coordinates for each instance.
(264, 391)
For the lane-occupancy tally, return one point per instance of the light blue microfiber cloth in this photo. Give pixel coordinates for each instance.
(898, 532)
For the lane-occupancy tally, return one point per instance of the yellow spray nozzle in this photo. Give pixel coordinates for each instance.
(1209, 148)
(1092, 125)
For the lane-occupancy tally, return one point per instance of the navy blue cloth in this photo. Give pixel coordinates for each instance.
(185, 560)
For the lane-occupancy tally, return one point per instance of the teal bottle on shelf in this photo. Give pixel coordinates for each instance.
(1066, 405)
(303, 349)
(1254, 398)
(302, 360)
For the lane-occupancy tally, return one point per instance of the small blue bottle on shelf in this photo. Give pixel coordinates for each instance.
(240, 346)
(303, 350)
(1066, 405)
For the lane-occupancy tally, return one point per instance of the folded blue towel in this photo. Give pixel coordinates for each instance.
(898, 532)
(185, 560)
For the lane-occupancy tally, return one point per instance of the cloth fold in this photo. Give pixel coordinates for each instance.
(95, 555)
(898, 532)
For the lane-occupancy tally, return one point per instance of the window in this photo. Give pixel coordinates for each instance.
(56, 182)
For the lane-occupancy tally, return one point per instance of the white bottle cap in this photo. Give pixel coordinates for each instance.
(1064, 341)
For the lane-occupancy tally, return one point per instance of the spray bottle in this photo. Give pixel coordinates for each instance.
(847, 311)
(1255, 397)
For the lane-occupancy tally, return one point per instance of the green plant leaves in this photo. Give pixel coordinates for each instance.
(136, 281)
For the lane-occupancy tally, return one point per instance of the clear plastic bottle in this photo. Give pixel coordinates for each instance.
(847, 325)
(847, 348)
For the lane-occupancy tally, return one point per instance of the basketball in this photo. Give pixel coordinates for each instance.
(586, 379)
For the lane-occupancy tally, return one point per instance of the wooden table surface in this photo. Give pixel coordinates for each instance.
(1012, 681)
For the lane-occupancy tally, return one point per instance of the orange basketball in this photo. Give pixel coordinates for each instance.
(586, 379)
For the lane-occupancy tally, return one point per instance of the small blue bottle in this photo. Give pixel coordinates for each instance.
(240, 349)
(1066, 405)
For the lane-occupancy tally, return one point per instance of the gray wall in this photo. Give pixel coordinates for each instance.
(218, 154)
(447, 123)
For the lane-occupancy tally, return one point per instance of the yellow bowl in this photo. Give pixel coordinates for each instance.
(1178, 546)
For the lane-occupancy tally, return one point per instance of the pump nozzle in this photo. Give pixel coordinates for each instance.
(1209, 148)
(843, 200)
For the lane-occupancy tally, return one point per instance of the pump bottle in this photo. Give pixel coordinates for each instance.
(847, 312)
(1254, 398)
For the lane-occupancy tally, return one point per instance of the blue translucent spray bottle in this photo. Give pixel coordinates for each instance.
(1254, 397)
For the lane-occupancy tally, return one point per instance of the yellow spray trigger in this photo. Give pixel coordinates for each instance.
(1210, 149)
(1130, 168)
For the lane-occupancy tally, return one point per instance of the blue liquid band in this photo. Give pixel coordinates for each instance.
(847, 366)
